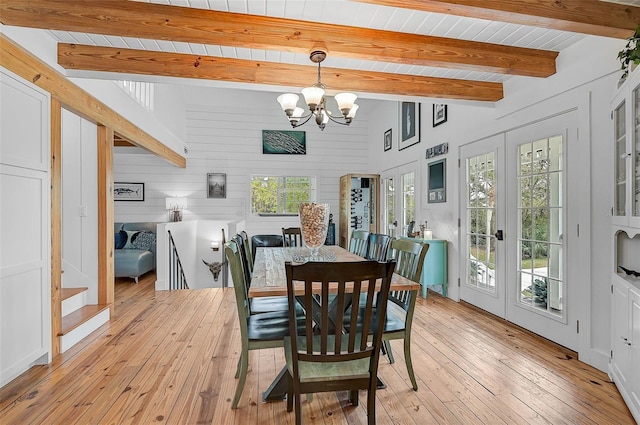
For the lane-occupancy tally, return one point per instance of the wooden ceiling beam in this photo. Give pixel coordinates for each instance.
(26, 65)
(191, 25)
(112, 59)
(583, 16)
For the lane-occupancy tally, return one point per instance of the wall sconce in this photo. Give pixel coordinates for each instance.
(215, 245)
(175, 207)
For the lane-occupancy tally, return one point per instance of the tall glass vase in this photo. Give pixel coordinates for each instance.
(314, 221)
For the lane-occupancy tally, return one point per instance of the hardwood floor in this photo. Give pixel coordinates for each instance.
(170, 357)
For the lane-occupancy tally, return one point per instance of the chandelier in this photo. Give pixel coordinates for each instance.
(317, 103)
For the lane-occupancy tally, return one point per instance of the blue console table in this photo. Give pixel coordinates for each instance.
(434, 270)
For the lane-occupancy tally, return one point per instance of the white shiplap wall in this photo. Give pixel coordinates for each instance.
(224, 135)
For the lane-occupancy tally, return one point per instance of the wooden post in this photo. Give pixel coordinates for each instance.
(105, 218)
(56, 225)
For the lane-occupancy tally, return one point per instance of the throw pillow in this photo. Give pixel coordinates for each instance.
(120, 239)
(131, 237)
(145, 240)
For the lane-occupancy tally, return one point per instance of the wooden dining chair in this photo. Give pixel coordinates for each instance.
(256, 305)
(331, 356)
(409, 256)
(377, 247)
(257, 331)
(292, 236)
(359, 242)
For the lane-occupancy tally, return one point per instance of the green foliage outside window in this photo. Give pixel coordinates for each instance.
(279, 194)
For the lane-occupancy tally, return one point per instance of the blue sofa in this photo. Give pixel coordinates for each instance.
(135, 249)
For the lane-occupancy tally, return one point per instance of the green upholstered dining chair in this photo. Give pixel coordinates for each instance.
(257, 331)
(359, 242)
(292, 236)
(256, 305)
(409, 256)
(377, 246)
(329, 355)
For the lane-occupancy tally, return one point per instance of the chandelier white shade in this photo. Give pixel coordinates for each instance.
(314, 97)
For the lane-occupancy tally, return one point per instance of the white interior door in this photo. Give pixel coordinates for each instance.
(482, 218)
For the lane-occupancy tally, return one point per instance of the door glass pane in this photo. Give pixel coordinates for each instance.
(480, 218)
(389, 216)
(540, 206)
(621, 156)
(408, 201)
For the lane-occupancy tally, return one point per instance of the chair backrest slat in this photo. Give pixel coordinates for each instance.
(232, 252)
(247, 250)
(292, 236)
(377, 247)
(243, 259)
(359, 242)
(409, 256)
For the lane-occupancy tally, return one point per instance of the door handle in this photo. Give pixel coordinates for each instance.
(499, 235)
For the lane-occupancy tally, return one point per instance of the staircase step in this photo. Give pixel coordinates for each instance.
(80, 316)
(73, 299)
(81, 323)
(70, 292)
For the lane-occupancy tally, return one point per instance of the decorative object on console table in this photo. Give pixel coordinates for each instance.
(388, 140)
(284, 142)
(437, 174)
(216, 185)
(175, 206)
(409, 124)
(128, 191)
(439, 114)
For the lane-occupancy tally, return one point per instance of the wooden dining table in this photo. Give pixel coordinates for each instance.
(270, 279)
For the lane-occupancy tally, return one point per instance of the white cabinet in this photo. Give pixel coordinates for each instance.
(624, 366)
(626, 131)
(625, 341)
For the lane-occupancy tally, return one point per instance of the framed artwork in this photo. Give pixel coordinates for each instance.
(284, 142)
(216, 185)
(409, 124)
(388, 140)
(437, 173)
(440, 149)
(128, 191)
(439, 114)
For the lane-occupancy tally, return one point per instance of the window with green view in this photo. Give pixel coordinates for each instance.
(281, 194)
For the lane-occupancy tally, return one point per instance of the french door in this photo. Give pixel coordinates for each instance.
(514, 221)
(399, 199)
(482, 202)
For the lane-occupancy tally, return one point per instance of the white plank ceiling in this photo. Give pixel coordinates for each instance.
(357, 14)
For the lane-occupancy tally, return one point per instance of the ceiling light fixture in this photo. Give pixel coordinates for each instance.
(317, 103)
